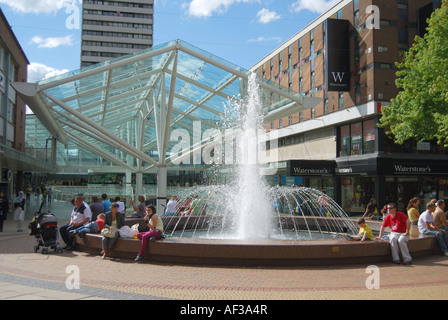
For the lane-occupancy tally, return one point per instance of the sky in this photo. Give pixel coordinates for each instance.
(239, 31)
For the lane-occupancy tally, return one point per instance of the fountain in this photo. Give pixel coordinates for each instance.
(246, 222)
(248, 208)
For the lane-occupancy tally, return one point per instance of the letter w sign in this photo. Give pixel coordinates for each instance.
(338, 76)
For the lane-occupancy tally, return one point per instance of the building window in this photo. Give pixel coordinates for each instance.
(368, 136)
(339, 14)
(344, 143)
(357, 138)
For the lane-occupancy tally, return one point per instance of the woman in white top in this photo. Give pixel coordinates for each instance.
(171, 207)
(155, 232)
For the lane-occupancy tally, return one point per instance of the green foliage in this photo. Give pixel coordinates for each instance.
(420, 110)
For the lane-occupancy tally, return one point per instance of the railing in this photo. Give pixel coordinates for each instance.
(66, 193)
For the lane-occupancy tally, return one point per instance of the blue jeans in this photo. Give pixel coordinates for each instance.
(90, 227)
(442, 238)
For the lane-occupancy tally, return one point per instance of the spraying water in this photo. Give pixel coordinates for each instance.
(247, 207)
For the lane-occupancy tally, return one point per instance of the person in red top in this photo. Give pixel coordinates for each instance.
(399, 225)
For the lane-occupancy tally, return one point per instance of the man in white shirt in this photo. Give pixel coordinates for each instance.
(426, 226)
(80, 215)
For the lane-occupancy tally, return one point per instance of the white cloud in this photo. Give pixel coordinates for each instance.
(264, 39)
(206, 8)
(52, 42)
(317, 6)
(265, 16)
(38, 6)
(38, 71)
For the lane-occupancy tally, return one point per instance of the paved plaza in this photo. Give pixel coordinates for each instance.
(25, 275)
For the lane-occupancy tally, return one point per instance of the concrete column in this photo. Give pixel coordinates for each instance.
(138, 184)
(161, 189)
(53, 151)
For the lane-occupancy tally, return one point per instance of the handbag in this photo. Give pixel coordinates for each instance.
(109, 233)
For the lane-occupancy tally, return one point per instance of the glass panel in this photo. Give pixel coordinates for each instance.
(369, 136)
(345, 141)
(356, 133)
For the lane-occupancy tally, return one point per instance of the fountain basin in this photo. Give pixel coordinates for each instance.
(253, 253)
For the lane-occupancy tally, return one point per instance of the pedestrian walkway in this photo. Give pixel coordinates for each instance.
(28, 275)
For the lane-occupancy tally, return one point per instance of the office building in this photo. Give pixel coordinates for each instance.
(111, 29)
(346, 57)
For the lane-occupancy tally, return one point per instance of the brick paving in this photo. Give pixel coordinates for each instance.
(28, 275)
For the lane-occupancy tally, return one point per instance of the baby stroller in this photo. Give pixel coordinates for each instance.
(44, 227)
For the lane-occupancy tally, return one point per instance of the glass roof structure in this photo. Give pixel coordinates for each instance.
(124, 110)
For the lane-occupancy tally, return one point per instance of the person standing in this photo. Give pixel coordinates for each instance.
(106, 203)
(4, 208)
(400, 226)
(96, 207)
(19, 210)
(49, 194)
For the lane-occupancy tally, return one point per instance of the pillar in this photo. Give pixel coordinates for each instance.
(161, 189)
(138, 184)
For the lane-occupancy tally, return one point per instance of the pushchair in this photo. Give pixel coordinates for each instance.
(44, 226)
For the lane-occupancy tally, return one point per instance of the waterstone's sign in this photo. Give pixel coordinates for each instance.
(337, 57)
(415, 167)
(309, 168)
(387, 166)
(412, 169)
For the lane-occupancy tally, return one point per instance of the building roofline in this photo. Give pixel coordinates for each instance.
(303, 31)
(2, 16)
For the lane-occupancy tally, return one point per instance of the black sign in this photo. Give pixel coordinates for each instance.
(297, 168)
(337, 56)
(389, 166)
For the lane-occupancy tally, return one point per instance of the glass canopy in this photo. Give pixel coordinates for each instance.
(117, 110)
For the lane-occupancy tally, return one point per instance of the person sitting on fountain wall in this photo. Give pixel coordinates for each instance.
(113, 221)
(440, 216)
(140, 209)
(323, 202)
(372, 211)
(197, 207)
(426, 226)
(400, 226)
(412, 209)
(121, 205)
(155, 232)
(365, 232)
(171, 206)
(80, 215)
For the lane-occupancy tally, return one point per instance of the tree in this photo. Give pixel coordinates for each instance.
(420, 110)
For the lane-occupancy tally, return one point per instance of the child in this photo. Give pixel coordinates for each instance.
(365, 232)
(91, 227)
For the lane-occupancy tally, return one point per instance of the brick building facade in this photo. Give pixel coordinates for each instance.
(340, 133)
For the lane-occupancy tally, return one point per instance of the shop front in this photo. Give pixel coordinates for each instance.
(357, 182)
(316, 174)
(389, 180)
(408, 178)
